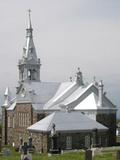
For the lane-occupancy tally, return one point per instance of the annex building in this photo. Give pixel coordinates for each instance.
(76, 109)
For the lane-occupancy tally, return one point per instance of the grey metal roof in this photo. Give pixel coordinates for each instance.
(38, 93)
(63, 92)
(65, 122)
(78, 97)
(12, 106)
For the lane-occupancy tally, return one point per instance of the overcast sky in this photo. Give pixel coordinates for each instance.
(67, 34)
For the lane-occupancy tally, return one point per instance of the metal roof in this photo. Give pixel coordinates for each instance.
(38, 92)
(66, 122)
(12, 106)
(78, 97)
(64, 90)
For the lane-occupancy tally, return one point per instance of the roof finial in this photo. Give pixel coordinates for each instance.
(29, 23)
(79, 77)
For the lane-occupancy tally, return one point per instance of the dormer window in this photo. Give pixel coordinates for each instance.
(23, 93)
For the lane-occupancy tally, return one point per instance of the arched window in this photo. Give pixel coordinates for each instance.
(34, 74)
(29, 74)
(8, 121)
(13, 122)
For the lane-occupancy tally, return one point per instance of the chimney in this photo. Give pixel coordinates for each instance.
(100, 94)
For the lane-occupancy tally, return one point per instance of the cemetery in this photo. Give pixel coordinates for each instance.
(26, 151)
(10, 154)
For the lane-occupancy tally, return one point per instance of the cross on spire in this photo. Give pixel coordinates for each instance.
(29, 11)
(29, 22)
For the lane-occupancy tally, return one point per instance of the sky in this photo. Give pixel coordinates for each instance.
(67, 34)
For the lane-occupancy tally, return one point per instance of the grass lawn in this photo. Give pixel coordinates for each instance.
(65, 156)
(118, 139)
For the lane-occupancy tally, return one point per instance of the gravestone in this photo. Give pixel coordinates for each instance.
(30, 142)
(88, 154)
(25, 152)
(118, 155)
(21, 144)
(26, 157)
(30, 145)
(25, 148)
(6, 152)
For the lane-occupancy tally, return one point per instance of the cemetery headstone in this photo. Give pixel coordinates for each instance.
(88, 154)
(25, 152)
(118, 155)
(6, 152)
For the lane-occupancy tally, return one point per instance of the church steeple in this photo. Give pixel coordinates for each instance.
(29, 65)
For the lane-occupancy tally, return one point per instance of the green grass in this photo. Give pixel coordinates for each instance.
(118, 139)
(65, 156)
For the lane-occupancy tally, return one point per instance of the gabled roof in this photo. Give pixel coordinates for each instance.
(90, 100)
(64, 91)
(66, 122)
(37, 93)
(12, 106)
(82, 97)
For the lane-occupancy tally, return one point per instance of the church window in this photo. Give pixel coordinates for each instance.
(13, 122)
(87, 141)
(23, 119)
(9, 121)
(24, 114)
(100, 140)
(18, 119)
(29, 74)
(69, 142)
(27, 119)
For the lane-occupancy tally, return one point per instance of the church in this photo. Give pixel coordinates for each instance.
(75, 108)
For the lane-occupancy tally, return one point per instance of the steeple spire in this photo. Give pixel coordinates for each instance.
(29, 65)
(29, 51)
(29, 19)
(29, 27)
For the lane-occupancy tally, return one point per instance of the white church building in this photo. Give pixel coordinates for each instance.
(73, 105)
